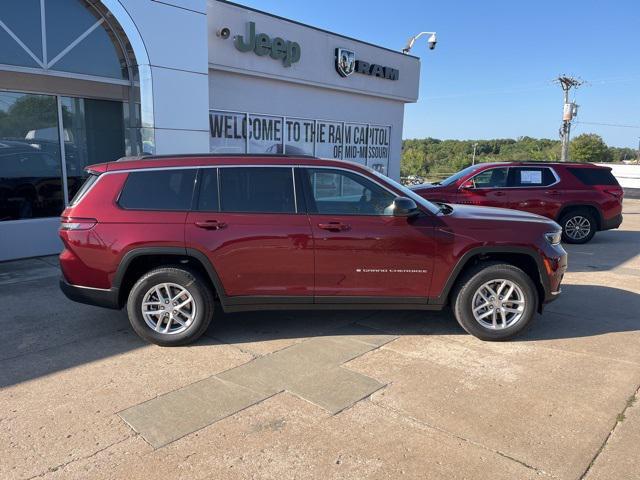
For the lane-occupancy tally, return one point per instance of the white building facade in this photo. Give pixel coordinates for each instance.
(88, 81)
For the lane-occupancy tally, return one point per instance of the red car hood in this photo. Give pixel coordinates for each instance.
(472, 212)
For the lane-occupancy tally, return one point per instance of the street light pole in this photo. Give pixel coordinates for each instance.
(473, 160)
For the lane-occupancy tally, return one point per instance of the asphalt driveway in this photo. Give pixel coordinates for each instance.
(327, 394)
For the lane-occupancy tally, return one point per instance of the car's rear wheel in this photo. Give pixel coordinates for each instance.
(495, 301)
(578, 226)
(170, 306)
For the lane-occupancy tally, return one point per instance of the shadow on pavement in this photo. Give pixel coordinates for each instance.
(44, 343)
(606, 251)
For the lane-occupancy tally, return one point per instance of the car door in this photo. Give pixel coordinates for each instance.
(361, 248)
(532, 189)
(487, 188)
(246, 220)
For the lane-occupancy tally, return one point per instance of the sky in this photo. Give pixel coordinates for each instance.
(491, 74)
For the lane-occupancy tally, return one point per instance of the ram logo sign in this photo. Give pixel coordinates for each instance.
(346, 64)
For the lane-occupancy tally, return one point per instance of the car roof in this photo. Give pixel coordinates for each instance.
(208, 159)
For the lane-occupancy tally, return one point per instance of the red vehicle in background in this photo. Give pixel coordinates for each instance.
(583, 198)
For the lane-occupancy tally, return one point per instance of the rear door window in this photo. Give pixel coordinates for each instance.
(257, 190)
(531, 177)
(594, 176)
(158, 190)
(208, 197)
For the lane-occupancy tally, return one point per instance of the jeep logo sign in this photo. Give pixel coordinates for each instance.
(262, 44)
(346, 64)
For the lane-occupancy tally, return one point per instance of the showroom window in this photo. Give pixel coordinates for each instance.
(33, 176)
(76, 40)
(364, 143)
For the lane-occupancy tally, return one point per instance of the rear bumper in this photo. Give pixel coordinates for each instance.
(91, 296)
(611, 223)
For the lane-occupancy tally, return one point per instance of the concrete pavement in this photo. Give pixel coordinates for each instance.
(327, 394)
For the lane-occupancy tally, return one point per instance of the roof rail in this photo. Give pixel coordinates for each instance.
(191, 155)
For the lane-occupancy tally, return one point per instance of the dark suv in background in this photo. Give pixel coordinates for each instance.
(168, 236)
(583, 198)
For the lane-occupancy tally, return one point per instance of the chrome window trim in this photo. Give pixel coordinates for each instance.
(200, 167)
(555, 174)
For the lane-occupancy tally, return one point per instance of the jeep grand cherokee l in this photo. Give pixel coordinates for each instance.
(583, 198)
(168, 236)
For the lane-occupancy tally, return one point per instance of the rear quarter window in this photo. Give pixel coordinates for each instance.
(158, 190)
(594, 176)
(88, 183)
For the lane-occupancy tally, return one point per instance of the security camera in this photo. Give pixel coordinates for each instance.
(224, 33)
(432, 41)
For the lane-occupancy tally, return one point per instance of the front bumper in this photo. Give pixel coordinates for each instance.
(611, 223)
(91, 296)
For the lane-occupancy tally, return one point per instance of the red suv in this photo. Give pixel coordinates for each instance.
(169, 236)
(583, 198)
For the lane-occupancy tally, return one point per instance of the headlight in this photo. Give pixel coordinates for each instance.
(553, 237)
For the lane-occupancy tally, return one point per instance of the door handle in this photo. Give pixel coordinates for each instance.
(500, 194)
(334, 226)
(211, 225)
(553, 192)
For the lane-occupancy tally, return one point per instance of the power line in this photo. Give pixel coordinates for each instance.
(610, 124)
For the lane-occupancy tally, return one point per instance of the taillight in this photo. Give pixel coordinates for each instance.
(615, 193)
(72, 223)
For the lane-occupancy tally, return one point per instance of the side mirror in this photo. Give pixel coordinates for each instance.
(468, 185)
(405, 207)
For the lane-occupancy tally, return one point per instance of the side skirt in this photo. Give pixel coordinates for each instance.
(253, 303)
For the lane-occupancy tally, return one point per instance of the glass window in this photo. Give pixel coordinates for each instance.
(77, 39)
(94, 133)
(158, 190)
(66, 20)
(257, 189)
(30, 167)
(299, 136)
(594, 176)
(208, 196)
(492, 178)
(228, 132)
(337, 192)
(91, 179)
(265, 134)
(23, 19)
(531, 177)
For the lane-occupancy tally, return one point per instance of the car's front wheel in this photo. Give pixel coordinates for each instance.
(170, 306)
(495, 301)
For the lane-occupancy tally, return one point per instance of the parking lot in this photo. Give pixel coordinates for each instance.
(327, 394)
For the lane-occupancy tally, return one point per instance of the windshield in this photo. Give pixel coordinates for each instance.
(408, 193)
(456, 176)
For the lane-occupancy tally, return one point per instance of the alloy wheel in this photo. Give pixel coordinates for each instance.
(498, 304)
(168, 308)
(577, 228)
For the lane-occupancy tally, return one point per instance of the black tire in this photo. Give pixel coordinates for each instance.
(195, 285)
(577, 215)
(472, 280)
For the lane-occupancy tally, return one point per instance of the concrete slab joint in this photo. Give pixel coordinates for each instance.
(311, 370)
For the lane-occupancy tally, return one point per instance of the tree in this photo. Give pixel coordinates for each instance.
(589, 147)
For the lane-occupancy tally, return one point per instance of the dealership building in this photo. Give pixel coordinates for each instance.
(89, 81)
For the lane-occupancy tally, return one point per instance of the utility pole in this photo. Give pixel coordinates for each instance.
(473, 160)
(570, 110)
